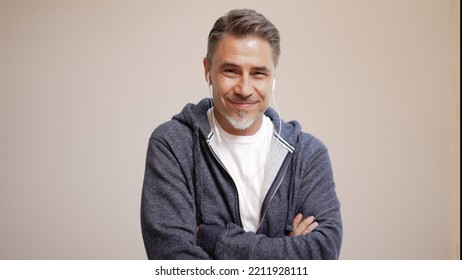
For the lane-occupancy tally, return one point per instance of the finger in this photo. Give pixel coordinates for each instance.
(297, 220)
(310, 227)
(305, 223)
(302, 225)
(295, 223)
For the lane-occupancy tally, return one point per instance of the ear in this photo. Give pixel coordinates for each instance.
(207, 71)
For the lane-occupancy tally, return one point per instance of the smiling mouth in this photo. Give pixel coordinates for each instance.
(242, 103)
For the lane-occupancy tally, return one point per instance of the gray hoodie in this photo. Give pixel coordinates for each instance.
(190, 208)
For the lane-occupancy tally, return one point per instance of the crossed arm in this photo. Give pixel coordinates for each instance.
(300, 226)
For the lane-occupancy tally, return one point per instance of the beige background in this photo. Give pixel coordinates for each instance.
(84, 83)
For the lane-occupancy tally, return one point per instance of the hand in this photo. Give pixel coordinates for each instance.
(303, 227)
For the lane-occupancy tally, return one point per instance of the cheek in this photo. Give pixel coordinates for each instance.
(223, 86)
(265, 92)
(265, 87)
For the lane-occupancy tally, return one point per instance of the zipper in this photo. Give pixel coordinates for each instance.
(282, 171)
(238, 216)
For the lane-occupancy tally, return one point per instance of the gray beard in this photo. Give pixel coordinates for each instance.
(242, 122)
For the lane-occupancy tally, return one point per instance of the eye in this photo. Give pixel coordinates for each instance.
(260, 75)
(230, 72)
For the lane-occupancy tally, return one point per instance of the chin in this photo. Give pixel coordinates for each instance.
(242, 122)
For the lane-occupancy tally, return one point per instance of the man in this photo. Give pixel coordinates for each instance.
(227, 178)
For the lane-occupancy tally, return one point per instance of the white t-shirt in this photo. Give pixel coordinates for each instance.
(245, 157)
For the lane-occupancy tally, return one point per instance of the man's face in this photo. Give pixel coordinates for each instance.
(241, 74)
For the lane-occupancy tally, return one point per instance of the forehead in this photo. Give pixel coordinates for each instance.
(244, 51)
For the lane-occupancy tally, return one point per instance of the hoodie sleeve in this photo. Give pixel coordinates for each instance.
(168, 219)
(317, 197)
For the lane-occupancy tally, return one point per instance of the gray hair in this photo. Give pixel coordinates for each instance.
(241, 23)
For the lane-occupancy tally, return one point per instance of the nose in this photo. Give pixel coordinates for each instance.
(244, 87)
